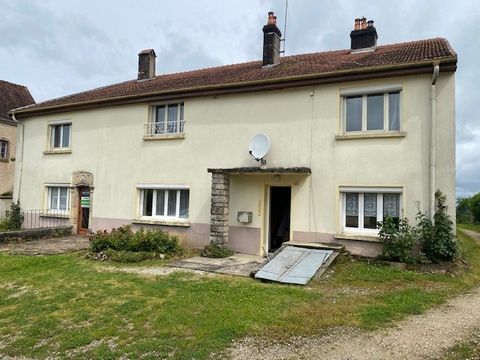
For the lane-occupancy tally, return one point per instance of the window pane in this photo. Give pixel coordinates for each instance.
(184, 198)
(56, 135)
(53, 194)
(172, 203)
(3, 149)
(370, 211)
(159, 120)
(394, 111)
(391, 205)
(375, 112)
(181, 118)
(351, 210)
(160, 211)
(354, 113)
(63, 198)
(66, 135)
(172, 118)
(147, 202)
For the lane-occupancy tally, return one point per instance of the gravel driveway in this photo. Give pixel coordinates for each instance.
(48, 246)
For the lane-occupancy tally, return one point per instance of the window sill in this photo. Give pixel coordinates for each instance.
(163, 222)
(366, 135)
(357, 237)
(57, 216)
(4, 160)
(164, 136)
(59, 151)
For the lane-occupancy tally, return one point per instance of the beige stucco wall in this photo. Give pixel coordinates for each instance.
(301, 123)
(7, 169)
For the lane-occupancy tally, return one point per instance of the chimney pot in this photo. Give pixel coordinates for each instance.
(146, 64)
(369, 23)
(271, 41)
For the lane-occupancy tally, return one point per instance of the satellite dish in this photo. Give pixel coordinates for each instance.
(259, 147)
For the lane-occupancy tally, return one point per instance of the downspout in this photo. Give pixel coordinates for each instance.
(19, 151)
(433, 132)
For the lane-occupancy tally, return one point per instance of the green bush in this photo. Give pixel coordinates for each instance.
(125, 240)
(398, 240)
(14, 217)
(129, 256)
(216, 251)
(437, 239)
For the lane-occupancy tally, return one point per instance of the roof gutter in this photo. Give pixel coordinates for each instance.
(423, 67)
(433, 133)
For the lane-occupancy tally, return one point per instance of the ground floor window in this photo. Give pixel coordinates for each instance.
(58, 198)
(165, 203)
(362, 210)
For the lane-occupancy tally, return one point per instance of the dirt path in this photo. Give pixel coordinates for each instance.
(49, 246)
(473, 234)
(418, 337)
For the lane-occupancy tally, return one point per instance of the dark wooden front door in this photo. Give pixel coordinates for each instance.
(280, 198)
(84, 209)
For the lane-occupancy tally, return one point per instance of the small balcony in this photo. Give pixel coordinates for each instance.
(164, 130)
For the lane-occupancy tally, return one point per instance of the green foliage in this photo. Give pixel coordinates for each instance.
(14, 217)
(216, 251)
(124, 239)
(475, 207)
(464, 211)
(437, 239)
(398, 240)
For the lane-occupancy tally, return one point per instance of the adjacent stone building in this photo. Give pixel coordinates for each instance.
(11, 96)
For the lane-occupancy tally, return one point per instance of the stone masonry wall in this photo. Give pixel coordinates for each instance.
(219, 208)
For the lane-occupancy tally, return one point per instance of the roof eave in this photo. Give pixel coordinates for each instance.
(449, 64)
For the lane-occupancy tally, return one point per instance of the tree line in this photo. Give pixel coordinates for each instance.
(468, 209)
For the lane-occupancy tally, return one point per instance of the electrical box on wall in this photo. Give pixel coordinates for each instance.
(245, 217)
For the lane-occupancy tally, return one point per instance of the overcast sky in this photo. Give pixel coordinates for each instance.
(60, 47)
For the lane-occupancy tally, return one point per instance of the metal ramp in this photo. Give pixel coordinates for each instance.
(296, 265)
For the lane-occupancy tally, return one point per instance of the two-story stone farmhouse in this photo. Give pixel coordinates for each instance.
(355, 135)
(11, 96)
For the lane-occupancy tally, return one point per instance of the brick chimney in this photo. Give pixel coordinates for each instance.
(271, 41)
(146, 64)
(364, 35)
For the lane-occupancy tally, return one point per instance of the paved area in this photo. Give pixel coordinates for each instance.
(238, 264)
(48, 246)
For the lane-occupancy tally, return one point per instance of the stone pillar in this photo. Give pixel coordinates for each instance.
(219, 209)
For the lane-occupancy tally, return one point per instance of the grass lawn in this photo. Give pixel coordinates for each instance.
(64, 306)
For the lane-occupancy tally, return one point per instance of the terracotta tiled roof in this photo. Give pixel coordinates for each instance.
(295, 66)
(12, 96)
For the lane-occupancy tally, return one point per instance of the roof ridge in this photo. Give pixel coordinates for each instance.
(12, 83)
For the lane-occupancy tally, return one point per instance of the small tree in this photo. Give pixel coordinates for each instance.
(464, 210)
(14, 217)
(437, 238)
(475, 207)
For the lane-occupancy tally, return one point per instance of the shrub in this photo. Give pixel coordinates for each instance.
(123, 239)
(129, 256)
(437, 239)
(398, 240)
(216, 251)
(14, 217)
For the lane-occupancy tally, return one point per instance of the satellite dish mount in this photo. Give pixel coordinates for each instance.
(258, 148)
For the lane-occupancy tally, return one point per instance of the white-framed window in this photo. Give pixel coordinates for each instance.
(58, 198)
(167, 119)
(60, 135)
(3, 150)
(375, 109)
(164, 202)
(362, 209)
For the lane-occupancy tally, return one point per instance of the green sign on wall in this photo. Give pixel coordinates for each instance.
(85, 201)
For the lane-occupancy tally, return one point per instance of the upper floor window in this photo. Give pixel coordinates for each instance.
(165, 203)
(362, 209)
(60, 135)
(374, 110)
(167, 119)
(3, 150)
